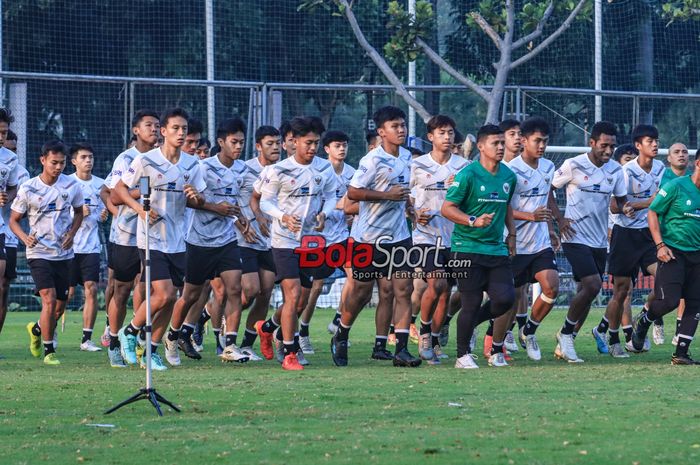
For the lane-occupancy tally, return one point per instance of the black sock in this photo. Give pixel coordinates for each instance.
(297, 348)
(401, 340)
(217, 338)
(336, 318)
(204, 317)
(278, 335)
(603, 325)
(289, 349)
(343, 333)
(186, 331)
(568, 327)
(154, 348)
(380, 343)
(249, 338)
(683, 345)
(131, 329)
(659, 321)
(521, 319)
(391, 329)
(496, 348)
(87, 335)
(434, 339)
(530, 327)
(413, 319)
(36, 330)
(614, 336)
(489, 330)
(448, 318)
(173, 334)
(644, 322)
(231, 339)
(303, 329)
(627, 331)
(678, 325)
(113, 342)
(270, 326)
(48, 348)
(425, 327)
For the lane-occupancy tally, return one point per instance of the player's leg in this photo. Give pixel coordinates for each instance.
(190, 295)
(231, 279)
(291, 293)
(419, 287)
(352, 306)
(679, 318)
(258, 312)
(438, 319)
(89, 275)
(194, 315)
(621, 288)
(307, 314)
(402, 288)
(502, 296)
(215, 310)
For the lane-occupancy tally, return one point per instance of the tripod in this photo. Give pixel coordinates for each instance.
(149, 392)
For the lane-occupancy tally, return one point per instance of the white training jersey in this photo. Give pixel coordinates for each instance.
(9, 174)
(429, 184)
(641, 186)
(531, 192)
(123, 228)
(10, 238)
(336, 228)
(87, 239)
(209, 229)
(49, 211)
(588, 191)
(380, 171)
(295, 189)
(168, 199)
(248, 175)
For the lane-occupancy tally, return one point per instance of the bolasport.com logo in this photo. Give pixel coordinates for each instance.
(382, 259)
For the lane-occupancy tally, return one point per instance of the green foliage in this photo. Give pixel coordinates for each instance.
(406, 29)
(681, 10)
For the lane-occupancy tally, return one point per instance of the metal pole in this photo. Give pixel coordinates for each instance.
(2, 50)
(598, 59)
(518, 115)
(412, 79)
(211, 96)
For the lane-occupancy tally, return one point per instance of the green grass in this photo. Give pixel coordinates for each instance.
(642, 410)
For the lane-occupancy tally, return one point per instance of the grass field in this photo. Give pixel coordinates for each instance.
(638, 411)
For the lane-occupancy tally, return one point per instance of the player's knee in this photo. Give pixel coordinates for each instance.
(438, 286)
(591, 286)
(91, 289)
(502, 300)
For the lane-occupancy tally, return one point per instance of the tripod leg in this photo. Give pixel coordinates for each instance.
(166, 401)
(138, 396)
(152, 397)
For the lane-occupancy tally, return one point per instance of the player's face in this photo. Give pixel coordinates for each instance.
(83, 161)
(53, 163)
(678, 156)
(603, 148)
(269, 147)
(535, 144)
(443, 139)
(147, 130)
(514, 142)
(307, 147)
(492, 147)
(337, 150)
(393, 132)
(4, 129)
(191, 143)
(457, 149)
(174, 132)
(648, 147)
(202, 151)
(232, 146)
(10, 144)
(288, 144)
(626, 158)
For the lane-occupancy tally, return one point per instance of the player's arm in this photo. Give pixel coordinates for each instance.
(106, 197)
(619, 204)
(122, 193)
(351, 207)
(10, 194)
(538, 215)
(268, 203)
(397, 193)
(450, 207)
(77, 221)
(510, 226)
(661, 204)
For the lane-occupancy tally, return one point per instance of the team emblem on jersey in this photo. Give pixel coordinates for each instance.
(239, 182)
(546, 179)
(610, 180)
(317, 180)
(187, 177)
(506, 187)
(3, 172)
(482, 189)
(64, 195)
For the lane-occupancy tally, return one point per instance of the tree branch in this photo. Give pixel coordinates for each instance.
(445, 66)
(538, 30)
(552, 37)
(486, 27)
(381, 62)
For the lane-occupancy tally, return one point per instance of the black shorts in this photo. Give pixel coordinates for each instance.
(526, 266)
(11, 263)
(684, 270)
(204, 263)
(125, 262)
(253, 260)
(365, 272)
(287, 264)
(336, 261)
(166, 266)
(476, 272)
(51, 274)
(585, 260)
(85, 267)
(630, 251)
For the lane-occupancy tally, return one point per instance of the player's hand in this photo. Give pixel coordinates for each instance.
(86, 210)
(451, 179)
(542, 214)
(153, 217)
(264, 224)
(226, 209)
(510, 242)
(423, 216)
(556, 242)
(484, 220)
(565, 228)
(3, 198)
(104, 214)
(31, 241)
(397, 193)
(67, 242)
(292, 222)
(249, 233)
(320, 222)
(664, 254)
(628, 210)
(190, 192)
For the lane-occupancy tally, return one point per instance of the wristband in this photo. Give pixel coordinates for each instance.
(659, 245)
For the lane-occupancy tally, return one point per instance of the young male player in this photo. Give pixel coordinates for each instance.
(203, 148)
(478, 202)
(47, 200)
(85, 267)
(176, 181)
(194, 136)
(590, 180)
(123, 254)
(674, 222)
(380, 184)
(299, 193)
(430, 178)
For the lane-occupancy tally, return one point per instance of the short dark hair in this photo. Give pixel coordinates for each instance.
(11, 135)
(303, 125)
(603, 127)
(230, 126)
(53, 145)
(508, 124)
(204, 141)
(459, 137)
(265, 131)
(334, 136)
(625, 149)
(388, 113)
(174, 113)
(285, 128)
(488, 130)
(6, 116)
(644, 130)
(78, 146)
(194, 126)
(533, 125)
(141, 114)
(440, 121)
(214, 150)
(370, 136)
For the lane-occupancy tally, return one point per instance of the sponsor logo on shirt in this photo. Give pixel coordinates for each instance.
(171, 186)
(662, 193)
(228, 190)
